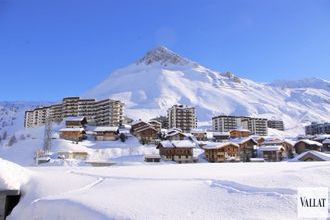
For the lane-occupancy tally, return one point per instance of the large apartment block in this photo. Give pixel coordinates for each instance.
(276, 124)
(317, 128)
(105, 112)
(182, 117)
(224, 123)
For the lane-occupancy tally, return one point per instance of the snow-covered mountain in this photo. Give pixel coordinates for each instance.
(162, 78)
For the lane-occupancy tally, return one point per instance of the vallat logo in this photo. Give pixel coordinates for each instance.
(313, 202)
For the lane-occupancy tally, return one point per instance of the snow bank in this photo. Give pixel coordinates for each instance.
(12, 176)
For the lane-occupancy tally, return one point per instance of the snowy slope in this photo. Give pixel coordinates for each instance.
(172, 191)
(162, 78)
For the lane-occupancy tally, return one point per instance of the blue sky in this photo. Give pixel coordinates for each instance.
(56, 48)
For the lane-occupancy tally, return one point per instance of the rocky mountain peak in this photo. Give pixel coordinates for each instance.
(163, 56)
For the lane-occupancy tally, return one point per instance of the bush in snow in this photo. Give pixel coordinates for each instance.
(12, 141)
(4, 135)
(22, 137)
(122, 137)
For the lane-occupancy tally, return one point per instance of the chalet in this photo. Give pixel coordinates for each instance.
(326, 145)
(221, 152)
(75, 122)
(305, 145)
(152, 158)
(73, 134)
(220, 136)
(156, 124)
(247, 148)
(175, 134)
(137, 125)
(106, 133)
(178, 151)
(312, 155)
(272, 153)
(239, 133)
(146, 134)
(78, 155)
(200, 135)
(287, 144)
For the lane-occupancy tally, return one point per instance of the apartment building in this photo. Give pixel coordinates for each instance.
(317, 128)
(182, 117)
(109, 112)
(101, 113)
(225, 123)
(276, 124)
(37, 117)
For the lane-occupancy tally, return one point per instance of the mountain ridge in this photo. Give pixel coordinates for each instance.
(162, 78)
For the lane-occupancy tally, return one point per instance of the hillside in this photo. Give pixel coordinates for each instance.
(162, 78)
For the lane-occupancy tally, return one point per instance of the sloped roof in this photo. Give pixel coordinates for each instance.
(178, 144)
(310, 142)
(72, 129)
(243, 140)
(322, 156)
(271, 148)
(213, 145)
(103, 129)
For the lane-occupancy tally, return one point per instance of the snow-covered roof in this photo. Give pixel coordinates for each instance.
(72, 129)
(198, 131)
(291, 142)
(326, 141)
(271, 148)
(217, 133)
(167, 144)
(145, 128)
(243, 140)
(137, 122)
(323, 156)
(183, 144)
(213, 145)
(103, 129)
(310, 142)
(178, 144)
(155, 121)
(78, 118)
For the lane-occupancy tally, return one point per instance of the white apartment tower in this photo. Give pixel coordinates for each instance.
(182, 117)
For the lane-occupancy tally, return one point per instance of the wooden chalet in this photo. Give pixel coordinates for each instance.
(247, 148)
(239, 133)
(221, 152)
(312, 156)
(272, 153)
(146, 134)
(73, 134)
(178, 151)
(156, 124)
(305, 145)
(220, 136)
(75, 122)
(137, 125)
(106, 133)
(175, 134)
(200, 135)
(326, 145)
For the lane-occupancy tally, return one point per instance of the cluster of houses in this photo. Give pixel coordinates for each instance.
(237, 145)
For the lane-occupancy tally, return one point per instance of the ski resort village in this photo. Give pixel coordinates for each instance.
(166, 138)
